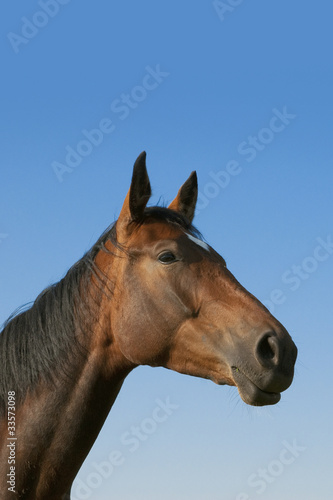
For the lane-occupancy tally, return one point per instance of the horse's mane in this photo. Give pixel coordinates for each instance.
(38, 343)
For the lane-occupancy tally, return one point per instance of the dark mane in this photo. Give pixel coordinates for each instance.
(39, 343)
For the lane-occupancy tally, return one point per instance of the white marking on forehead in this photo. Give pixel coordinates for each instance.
(201, 244)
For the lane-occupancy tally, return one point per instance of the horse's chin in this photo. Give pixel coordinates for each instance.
(251, 394)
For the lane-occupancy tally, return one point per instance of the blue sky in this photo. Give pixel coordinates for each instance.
(241, 92)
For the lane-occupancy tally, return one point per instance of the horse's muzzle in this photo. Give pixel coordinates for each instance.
(269, 370)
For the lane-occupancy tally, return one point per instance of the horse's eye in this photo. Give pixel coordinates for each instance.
(167, 257)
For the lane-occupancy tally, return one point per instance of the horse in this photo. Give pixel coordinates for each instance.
(151, 292)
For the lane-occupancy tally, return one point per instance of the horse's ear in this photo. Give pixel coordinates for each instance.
(137, 197)
(186, 198)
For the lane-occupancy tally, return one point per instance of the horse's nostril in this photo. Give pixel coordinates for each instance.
(267, 350)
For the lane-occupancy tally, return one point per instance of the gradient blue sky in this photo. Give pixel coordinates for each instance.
(225, 75)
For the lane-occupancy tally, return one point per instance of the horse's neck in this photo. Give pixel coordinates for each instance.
(64, 421)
